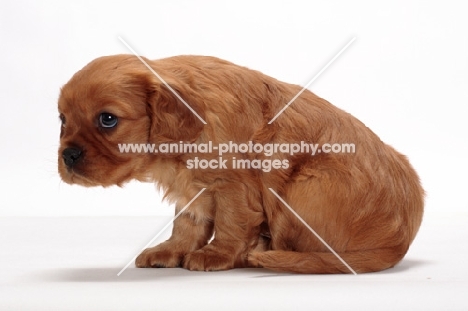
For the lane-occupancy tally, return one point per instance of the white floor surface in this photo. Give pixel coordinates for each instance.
(71, 263)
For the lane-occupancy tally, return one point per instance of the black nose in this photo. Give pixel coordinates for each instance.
(71, 156)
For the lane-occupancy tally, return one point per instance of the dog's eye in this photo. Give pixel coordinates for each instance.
(62, 119)
(107, 120)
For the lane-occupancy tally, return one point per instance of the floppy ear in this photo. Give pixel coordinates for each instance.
(171, 119)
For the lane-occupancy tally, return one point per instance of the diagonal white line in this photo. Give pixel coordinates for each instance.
(162, 80)
(313, 79)
(313, 231)
(162, 230)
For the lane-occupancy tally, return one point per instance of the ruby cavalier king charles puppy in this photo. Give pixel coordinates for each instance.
(366, 205)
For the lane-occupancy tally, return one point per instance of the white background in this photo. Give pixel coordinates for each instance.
(405, 77)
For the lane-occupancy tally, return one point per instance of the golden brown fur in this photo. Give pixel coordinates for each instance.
(368, 205)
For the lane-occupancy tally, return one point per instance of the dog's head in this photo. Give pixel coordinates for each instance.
(117, 100)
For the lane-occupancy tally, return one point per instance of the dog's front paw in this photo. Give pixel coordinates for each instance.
(209, 259)
(160, 256)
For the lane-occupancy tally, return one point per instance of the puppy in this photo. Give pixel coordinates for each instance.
(367, 205)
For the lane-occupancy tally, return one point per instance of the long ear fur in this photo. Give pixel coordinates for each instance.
(171, 119)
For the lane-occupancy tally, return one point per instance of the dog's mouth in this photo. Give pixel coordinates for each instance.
(89, 174)
(74, 176)
(71, 168)
(89, 167)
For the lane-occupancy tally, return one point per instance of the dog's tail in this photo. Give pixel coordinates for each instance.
(321, 263)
